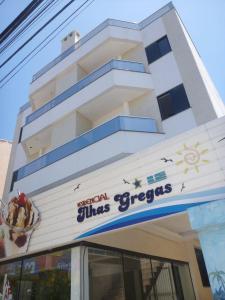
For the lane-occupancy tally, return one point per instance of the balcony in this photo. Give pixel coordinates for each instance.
(96, 146)
(97, 94)
(109, 39)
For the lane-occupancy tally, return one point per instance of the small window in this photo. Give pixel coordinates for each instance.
(202, 267)
(20, 135)
(173, 102)
(14, 179)
(157, 49)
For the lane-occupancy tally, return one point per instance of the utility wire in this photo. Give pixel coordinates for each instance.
(2, 2)
(24, 22)
(74, 13)
(27, 25)
(19, 19)
(38, 31)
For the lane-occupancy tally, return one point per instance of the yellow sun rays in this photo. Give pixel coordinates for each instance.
(192, 157)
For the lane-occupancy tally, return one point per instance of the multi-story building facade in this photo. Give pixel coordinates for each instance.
(100, 112)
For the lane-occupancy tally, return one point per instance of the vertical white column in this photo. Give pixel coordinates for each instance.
(75, 274)
(84, 273)
(126, 109)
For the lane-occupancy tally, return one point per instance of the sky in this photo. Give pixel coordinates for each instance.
(204, 20)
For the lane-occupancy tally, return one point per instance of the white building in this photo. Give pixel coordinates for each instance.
(124, 88)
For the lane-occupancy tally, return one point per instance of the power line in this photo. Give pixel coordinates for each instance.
(19, 19)
(38, 31)
(2, 2)
(26, 26)
(76, 15)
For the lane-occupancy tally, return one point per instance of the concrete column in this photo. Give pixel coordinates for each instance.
(126, 109)
(75, 273)
(209, 221)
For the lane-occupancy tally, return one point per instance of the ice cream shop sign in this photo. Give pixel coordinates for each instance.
(20, 218)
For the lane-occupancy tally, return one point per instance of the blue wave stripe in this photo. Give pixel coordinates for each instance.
(190, 196)
(140, 217)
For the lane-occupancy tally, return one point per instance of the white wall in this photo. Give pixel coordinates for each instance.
(146, 106)
(179, 123)
(109, 116)
(83, 124)
(165, 73)
(63, 131)
(153, 32)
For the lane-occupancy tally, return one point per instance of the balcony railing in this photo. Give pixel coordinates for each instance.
(99, 28)
(120, 123)
(113, 64)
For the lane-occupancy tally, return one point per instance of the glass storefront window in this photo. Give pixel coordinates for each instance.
(105, 275)
(116, 275)
(97, 274)
(137, 277)
(10, 280)
(46, 277)
(163, 280)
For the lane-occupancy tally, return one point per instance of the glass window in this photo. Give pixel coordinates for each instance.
(157, 49)
(183, 282)
(164, 46)
(9, 280)
(202, 267)
(105, 275)
(46, 277)
(173, 102)
(163, 281)
(138, 278)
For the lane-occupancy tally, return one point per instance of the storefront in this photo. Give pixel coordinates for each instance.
(125, 231)
(112, 274)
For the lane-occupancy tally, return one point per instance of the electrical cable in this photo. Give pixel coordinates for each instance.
(91, 1)
(19, 19)
(38, 31)
(44, 9)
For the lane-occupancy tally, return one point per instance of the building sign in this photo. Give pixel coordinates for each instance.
(19, 218)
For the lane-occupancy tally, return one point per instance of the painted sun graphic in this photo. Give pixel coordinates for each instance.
(192, 157)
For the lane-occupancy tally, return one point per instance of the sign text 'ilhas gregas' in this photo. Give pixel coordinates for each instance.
(125, 200)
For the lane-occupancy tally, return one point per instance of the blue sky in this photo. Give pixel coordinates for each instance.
(204, 20)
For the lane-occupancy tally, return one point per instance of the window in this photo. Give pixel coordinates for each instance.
(202, 267)
(10, 280)
(46, 277)
(173, 102)
(105, 275)
(157, 49)
(14, 179)
(116, 275)
(20, 135)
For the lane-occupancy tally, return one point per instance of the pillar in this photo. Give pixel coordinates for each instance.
(209, 221)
